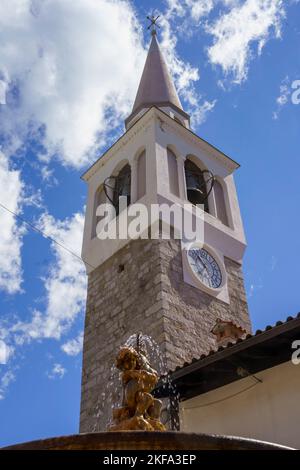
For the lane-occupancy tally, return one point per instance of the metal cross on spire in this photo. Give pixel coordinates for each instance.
(153, 23)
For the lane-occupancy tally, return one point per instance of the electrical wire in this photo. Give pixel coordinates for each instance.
(36, 229)
(222, 399)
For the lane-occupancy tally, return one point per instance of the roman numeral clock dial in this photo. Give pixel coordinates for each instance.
(205, 267)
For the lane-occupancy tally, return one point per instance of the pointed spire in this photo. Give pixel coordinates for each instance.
(156, 86)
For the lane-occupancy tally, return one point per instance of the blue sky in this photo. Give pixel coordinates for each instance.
(68, 77)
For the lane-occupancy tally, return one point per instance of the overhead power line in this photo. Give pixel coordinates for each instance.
(36, 229)
(215, 402)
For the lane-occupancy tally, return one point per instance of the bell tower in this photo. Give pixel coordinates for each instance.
(169, 289)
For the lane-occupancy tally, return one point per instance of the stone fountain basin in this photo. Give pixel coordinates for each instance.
(142, 440)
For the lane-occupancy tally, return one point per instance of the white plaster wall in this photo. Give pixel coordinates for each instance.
(154, 132)
(268, 411)
(229, 240)
(95, 251)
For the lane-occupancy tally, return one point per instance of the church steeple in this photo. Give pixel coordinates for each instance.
(168, 287)
(156, 86)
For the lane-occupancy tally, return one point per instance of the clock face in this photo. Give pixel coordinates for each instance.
(205, 267)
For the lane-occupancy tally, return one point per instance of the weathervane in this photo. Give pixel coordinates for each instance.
(153, 23)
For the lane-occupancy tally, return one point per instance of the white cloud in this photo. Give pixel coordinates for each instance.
(65, 288)
(199, 9)
(11, 194)
(195, 9)
(57, 372)
(3, 89)
(185, 75)
(240, 31)
(285, 90)
(71, 71)
(76, 66)
(5, 380)
(65, 285)
(48, 176)
(199, 108)
(236, 32)
(5, 352)
(176, 7)
(73, 346)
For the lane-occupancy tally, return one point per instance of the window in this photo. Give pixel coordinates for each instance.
(122, 187)
(141, 175)
(221, 212)
(195, 185)
(100, 198)
(173, 173)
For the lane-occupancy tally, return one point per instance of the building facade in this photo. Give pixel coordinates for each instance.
(249, 388)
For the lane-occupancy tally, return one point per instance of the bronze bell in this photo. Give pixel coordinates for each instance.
(199, 184)
(116, 187)
(196, 187)
(122, 187)
(195, 184)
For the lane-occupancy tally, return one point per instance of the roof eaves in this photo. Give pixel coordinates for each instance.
(233, 162)
(222, 352)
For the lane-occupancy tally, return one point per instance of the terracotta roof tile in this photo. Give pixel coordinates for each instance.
(240, 340)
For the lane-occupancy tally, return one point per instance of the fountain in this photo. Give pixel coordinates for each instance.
(139, 410)
(136, 422)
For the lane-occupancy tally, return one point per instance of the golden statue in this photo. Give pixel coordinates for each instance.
(139, 410)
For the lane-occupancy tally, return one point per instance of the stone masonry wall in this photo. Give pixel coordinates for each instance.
(141, 288)
(191, 313)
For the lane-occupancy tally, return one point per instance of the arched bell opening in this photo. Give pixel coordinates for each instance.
(199, 184)
(172, 172)
(119, 186)
(220, 203)
(141, 175)
(100, 198)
